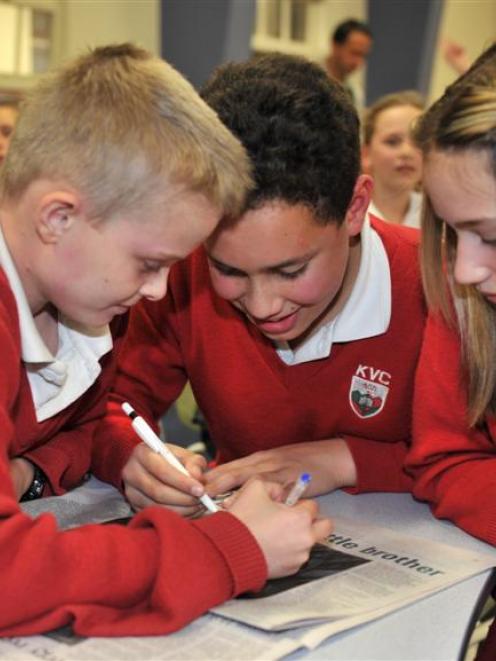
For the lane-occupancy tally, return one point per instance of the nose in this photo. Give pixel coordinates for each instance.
(408, 149)
(470, 265)
(261, 301)
(155, 286)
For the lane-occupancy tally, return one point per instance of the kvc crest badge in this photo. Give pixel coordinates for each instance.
(368, 396)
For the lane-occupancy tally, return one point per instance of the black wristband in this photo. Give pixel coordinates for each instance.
(36, 487)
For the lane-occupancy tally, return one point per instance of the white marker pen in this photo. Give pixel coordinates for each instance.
(298, 488)
(148, 436)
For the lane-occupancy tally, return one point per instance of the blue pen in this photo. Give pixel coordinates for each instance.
(298, 488)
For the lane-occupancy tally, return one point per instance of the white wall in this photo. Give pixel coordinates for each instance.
(469, 22)
(97, 22)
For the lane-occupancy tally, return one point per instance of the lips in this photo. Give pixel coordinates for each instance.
(406, 169)
(278, 326)
(490, 297)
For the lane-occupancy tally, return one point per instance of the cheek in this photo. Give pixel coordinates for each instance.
(381, 159)
(318, 287)
(386, 156)
(228, 288)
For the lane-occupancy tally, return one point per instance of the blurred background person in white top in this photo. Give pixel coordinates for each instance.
(350, 44)
(389, 155)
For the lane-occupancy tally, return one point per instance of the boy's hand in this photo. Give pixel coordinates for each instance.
(150, 480)
(285, 534)
(22, 474)
(329, 462)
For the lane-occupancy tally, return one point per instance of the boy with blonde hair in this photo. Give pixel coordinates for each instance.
(117, 169)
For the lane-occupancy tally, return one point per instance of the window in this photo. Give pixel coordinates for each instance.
(286, 25)
(26, 38)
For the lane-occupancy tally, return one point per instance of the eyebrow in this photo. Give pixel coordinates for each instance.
(273, 267)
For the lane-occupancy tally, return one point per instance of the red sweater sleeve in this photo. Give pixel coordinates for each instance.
(454, 466)
(150, 375)
(151, 577)
(379, 465)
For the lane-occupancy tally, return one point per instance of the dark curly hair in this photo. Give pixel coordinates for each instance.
(299, 128)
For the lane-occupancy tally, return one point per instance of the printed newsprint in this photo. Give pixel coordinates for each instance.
(363, 572)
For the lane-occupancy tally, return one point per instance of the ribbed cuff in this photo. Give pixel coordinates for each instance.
(239, 548)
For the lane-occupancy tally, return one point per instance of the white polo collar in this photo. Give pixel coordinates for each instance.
(55, 381)
(366, 313)
(413, 215)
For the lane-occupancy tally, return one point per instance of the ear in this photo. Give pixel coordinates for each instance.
(56, 213)
(360, 201)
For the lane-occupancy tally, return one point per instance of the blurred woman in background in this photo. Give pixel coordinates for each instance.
(390, 156)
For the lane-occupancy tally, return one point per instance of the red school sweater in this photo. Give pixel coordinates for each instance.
(454, 466)
(151, 577)
(251, 399)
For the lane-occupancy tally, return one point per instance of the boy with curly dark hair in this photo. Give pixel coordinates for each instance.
(298, 323)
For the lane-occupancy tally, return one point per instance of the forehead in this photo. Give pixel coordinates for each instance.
(172, 228)
(396, 118)
(460, 185)
(273, 233)
(358, 42)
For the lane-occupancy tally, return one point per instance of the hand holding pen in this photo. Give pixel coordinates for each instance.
(148, 436)
(298, 489)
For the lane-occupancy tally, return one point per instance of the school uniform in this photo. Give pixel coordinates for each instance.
(351, 379)
(413, 215)
(454, 466)
(151, 577)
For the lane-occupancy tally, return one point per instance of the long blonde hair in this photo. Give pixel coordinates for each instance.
(464, 119)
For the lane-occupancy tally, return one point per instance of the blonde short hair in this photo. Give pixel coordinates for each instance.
(121, 125)
(403, 98)
(464, 119)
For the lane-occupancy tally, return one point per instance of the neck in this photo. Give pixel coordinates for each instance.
(333, 70)
(393, 205)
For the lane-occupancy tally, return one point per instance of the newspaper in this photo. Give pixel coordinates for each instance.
(361, 573)
(362, 570)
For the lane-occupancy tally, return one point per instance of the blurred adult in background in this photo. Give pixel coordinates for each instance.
(391, 157)
(350, 45)
(8, 117)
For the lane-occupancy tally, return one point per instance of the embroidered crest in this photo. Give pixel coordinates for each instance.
(367, 398)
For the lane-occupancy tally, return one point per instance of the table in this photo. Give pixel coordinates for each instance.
(436, 628)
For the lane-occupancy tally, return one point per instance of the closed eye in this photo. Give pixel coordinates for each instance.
(228, 271)
(151, 266)
(292, 275)
(488, 242)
